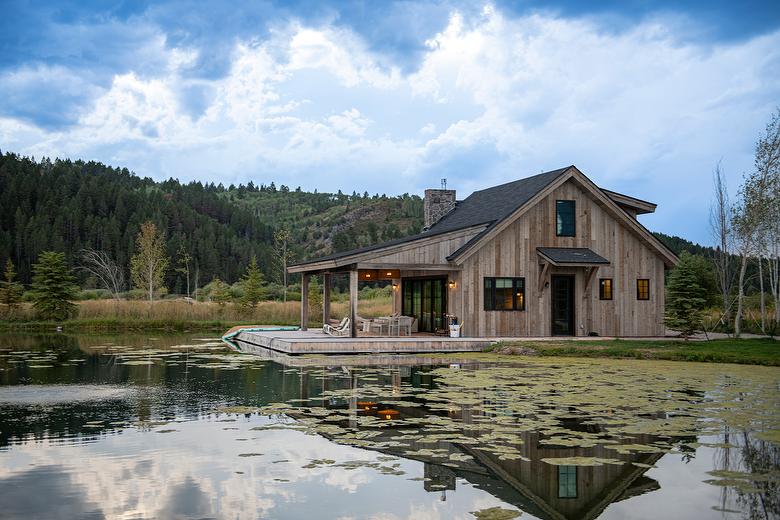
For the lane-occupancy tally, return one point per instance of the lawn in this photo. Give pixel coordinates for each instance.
(744, 351)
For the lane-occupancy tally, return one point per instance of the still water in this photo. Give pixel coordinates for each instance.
(182, 427)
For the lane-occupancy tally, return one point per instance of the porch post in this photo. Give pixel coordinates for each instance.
(397, 295)
(304, 301)
(325, 298)
(353, 302)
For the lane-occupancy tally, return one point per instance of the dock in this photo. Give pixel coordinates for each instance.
(296, 342)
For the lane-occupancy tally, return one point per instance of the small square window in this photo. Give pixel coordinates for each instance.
(643, 289)
(605, 289)
(565, 218)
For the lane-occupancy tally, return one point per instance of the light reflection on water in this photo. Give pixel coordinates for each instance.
(178, 427)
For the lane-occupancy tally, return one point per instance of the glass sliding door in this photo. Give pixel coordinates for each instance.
(426, 323)
(426, 300)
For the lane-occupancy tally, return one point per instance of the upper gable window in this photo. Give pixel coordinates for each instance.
(565, 218)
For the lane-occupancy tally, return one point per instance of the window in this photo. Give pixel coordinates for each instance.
(605, 289)
(643, 289)
(565, 218)
(504, 294)
(567, 481)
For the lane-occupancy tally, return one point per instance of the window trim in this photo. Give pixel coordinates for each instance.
(611, 289)
(639, 292)
(567, 469)
(518, 285)
(574, 217)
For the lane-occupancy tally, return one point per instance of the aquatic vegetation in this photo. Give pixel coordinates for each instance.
(432, 425)
(496, 513)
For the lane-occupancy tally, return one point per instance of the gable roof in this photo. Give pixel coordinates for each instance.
(493, 207)
(481, 208)
(496, 203)
(597, 193)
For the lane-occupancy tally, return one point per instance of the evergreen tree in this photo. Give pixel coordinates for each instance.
(253, 283)
(220, 292)
(685, 300)
(315, 298)
(10, 289)
(53, 287)
(147, 267)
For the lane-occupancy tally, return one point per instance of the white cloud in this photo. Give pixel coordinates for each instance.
(493, 99)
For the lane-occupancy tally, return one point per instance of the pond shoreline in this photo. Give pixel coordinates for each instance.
(753, 351)
(125, 325)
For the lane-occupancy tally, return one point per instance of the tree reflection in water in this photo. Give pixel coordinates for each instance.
(748, 471)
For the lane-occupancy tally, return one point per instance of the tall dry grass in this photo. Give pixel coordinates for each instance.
(269, 312)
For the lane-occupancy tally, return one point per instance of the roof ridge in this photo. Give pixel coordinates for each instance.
(523, 179)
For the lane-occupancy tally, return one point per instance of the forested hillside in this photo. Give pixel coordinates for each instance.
(67, 206)
(64, 205)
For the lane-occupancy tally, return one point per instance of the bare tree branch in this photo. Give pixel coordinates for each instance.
(103, 267)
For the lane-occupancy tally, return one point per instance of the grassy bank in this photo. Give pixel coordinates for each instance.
(744, 351)
(182, 316)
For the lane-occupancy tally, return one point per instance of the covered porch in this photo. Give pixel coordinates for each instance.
(422, 297)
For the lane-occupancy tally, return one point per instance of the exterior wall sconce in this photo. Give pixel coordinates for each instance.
(451, 284)
(395, 286)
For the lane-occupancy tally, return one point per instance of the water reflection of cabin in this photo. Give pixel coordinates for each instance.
(551, 254)
(544, 490)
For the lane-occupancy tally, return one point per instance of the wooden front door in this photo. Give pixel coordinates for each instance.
(562, 296)
(426, 300)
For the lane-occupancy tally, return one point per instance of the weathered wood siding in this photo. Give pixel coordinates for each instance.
(430, 251)
(512, 253)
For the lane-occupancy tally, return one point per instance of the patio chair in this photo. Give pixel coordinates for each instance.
(379, 324)
(342, 329)
(405, 323)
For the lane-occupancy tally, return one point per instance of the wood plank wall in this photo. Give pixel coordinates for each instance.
(435, 252)
(513, 254)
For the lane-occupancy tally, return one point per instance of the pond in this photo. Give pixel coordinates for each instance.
(183, 427)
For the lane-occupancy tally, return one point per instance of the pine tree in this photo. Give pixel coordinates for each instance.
(253, 283)
(147, 267)
(220, 292)
(53, 287)
(685, 300)
(10, 289)
(315, 297)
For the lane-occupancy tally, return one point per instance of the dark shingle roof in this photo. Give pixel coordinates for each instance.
(482, 207)
(572, 255)
(496, 203)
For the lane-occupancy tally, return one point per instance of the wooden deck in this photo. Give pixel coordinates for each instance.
(316, 342)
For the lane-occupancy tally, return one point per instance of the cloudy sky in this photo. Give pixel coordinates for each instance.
(644, 97)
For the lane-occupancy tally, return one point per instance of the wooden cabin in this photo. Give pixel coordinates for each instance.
(552, 254)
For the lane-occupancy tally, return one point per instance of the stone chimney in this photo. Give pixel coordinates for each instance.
(437, 203)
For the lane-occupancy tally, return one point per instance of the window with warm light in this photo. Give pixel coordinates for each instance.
(605, 289)
(643, 289)
(504, 294)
